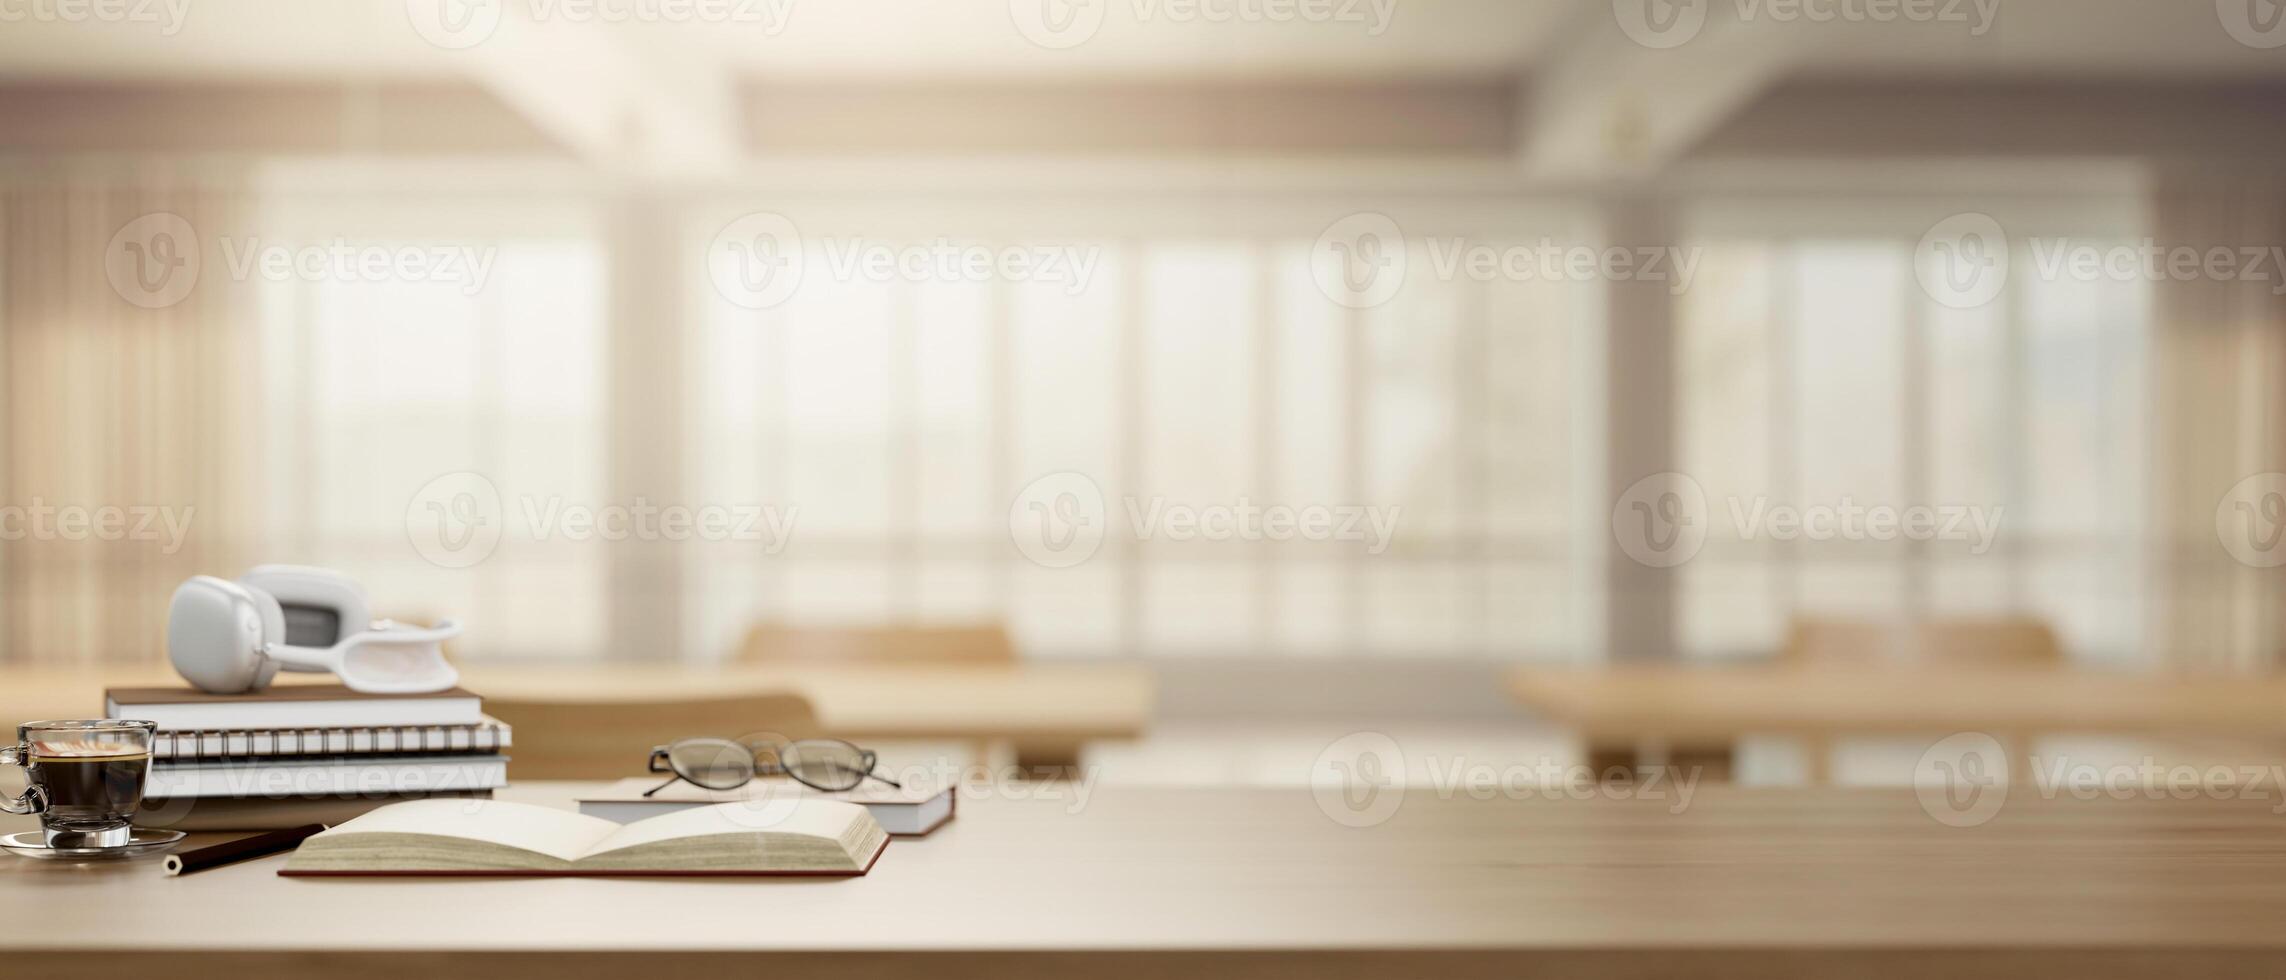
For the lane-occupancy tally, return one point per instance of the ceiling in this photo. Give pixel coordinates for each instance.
(817, 38)
(877, 39)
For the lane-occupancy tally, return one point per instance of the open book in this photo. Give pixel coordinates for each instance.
(495, 837)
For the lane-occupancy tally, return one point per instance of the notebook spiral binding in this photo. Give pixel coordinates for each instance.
(492, 736)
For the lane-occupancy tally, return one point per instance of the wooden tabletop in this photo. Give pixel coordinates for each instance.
(1756, 881)
(1724, 702)
(1074, 701)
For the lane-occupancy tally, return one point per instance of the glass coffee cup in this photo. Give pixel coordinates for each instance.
(85, 778)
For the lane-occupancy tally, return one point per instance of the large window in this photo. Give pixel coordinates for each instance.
(884, 424)
(1816, 371)
(474, 356)
(903, 415)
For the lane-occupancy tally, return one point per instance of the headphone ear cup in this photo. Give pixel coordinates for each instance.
(273, 628)
(216, 631)
(318, 590)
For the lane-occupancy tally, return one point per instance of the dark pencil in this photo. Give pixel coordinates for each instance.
(230, 852)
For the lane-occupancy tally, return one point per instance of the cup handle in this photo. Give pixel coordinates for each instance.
(34, 799)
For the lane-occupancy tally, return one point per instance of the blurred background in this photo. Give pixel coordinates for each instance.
(1321, 360)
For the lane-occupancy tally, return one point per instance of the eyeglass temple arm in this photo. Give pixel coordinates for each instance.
(658, 756)
(871, 762)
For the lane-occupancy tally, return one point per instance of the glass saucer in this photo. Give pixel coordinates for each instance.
(141, 842)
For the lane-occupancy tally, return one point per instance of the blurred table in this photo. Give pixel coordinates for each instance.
(1045, 711)
(1201, 883)
(1699, 712)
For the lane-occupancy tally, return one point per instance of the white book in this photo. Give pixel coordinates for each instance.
(327, 777)
(291, 706)
(912, 811)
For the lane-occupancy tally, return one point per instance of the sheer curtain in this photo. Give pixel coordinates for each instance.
(2220, 392)
(123, 463)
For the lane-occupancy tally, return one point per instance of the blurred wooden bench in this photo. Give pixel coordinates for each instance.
(605, 739)
(1940, 643)
(978, 643)
(2007, 678)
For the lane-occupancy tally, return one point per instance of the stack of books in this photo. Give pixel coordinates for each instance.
(298, 754)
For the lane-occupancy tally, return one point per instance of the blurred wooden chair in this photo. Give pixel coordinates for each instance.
(612, 739)
(1935, 643)
(968, 644)
(979, 643)
(2004, 642)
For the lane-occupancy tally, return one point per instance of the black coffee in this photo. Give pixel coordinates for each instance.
(91, 789)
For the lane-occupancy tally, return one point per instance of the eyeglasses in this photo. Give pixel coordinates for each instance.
(827, 764)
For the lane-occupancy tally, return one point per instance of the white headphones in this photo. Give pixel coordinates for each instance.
(231, 637)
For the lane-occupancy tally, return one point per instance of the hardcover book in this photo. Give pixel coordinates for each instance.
(907, 812)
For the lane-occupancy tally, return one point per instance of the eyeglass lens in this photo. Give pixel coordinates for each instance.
(714, 763)
(827, 764)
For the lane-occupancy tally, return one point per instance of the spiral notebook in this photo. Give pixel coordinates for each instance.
(491, 735)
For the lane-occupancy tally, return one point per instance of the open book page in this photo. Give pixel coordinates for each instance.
(821, 819)
(556, 833)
